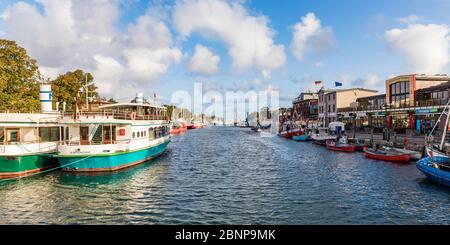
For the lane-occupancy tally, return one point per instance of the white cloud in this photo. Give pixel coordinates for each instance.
(249, 38)
(204, 61)
(410, 19)
(423, 48)
(70, 34)
(310, 36)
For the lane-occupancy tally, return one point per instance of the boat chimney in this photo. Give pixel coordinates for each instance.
(140, 98)
(46, 97)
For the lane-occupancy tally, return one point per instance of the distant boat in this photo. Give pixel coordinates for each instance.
(437, 169)
(387, 155)
(340, 145)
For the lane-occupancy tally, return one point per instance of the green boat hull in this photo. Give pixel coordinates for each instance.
(15, 166)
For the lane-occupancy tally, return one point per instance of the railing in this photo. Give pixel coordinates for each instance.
(78, 142)
(117, 115)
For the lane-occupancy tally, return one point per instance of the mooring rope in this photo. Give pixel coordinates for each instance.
(44, 171)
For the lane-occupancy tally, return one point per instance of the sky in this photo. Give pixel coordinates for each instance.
(164, 46)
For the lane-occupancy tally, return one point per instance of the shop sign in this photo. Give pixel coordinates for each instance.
(360, 114)
(426, 111)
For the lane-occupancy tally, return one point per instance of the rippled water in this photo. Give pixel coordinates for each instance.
(222, 175)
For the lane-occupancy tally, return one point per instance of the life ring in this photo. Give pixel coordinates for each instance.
(133, 116)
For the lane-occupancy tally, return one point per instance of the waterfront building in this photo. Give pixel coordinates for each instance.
(412, 104)
(331, 101)
(305, 108)
(366, 113)
(405, 108)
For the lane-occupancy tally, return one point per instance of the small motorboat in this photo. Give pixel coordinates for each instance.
(437, 169)
(390, 155)
(321, 135)
(303, 137)
(340, 145)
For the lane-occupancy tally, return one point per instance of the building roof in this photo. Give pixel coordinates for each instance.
(372, 97)
(426, 77)
(442, 86)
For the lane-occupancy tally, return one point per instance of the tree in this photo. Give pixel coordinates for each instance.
(66, 87)
(19, 78)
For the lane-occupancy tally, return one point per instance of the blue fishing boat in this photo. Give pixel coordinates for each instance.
(302, 137)
(437, 169)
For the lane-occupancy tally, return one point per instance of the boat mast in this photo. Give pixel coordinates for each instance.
(87, 97)
(444, 133)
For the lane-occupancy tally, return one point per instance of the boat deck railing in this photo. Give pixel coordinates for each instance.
(92, 142)
(116, 115)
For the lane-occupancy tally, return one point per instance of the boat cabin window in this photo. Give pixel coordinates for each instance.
(67, 133)
(2, 136)
(134, 135)
(49, 134)
(138, 134)
(12, 136)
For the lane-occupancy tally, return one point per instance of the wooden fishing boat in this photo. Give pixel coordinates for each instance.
(437, 169)
(291, 133)
(386, 155)
(338, 146)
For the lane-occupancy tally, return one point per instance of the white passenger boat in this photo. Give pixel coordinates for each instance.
(115, 137)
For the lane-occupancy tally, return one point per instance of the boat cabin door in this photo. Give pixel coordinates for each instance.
(84, 135)
(109, 134)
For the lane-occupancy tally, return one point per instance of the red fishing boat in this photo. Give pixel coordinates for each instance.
(175, 130)
(339, 146)
(291, 133)
(386, 155)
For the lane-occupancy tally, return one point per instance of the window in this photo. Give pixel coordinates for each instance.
(67, 133)
(50, 134)
(134, 135)
(138, 134)
(12, 136)
(399, 92)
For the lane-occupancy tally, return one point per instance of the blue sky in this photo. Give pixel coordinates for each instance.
(360, 54)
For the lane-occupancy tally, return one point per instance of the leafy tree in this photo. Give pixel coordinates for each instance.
(19, 78)
(66, 87)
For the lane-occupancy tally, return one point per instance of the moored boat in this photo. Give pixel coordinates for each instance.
(437, 169)
(339, 146)
(119, 136)
(319, 136)
(291, 133)
(387, 155)
(29, 140)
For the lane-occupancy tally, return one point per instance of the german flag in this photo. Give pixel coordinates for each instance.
(318, 82)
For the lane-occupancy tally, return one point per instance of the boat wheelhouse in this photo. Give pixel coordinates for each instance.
(28, 142)
(115, 137)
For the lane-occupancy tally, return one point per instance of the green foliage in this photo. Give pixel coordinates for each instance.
(66, 87)
(19, 78)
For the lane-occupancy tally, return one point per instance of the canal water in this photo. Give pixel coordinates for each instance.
(224, 175)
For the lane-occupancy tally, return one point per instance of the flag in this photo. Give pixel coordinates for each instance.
(337, 84)
(317, 82)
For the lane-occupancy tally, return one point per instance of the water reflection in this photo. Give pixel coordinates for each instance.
(224, 175)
